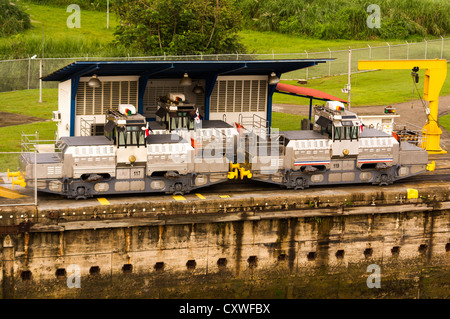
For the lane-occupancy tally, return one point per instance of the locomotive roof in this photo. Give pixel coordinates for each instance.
(215, 124)
(86, 140)
(165, 139)
(302, 135)
(371, 132)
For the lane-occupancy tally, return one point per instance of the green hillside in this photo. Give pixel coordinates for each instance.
(93, 38)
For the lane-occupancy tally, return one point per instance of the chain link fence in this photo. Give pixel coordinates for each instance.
(22, 74)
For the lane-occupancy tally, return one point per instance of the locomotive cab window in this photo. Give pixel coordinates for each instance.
(132, 136)
(345, 133)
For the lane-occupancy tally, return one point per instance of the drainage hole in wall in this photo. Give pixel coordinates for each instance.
(282, 257)
(311, 256)
(368, 252)
(94, 270)
(252, 261)
(340, 254)
(25, 275)
(395, 251)
(222, 262)
(191, 264)
(61, 273)
(127, 268)
(422, 249)
(159, 266)
(447, 247)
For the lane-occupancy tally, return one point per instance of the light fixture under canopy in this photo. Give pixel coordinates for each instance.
(94, 81)
(186, 80)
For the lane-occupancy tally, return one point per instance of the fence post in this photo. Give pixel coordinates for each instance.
(370, 52)
(329, 64)
(389, 48)
(29, 70)
(442, 45)
(35, 177)
(426, 48)
(407, 50)
(40, 81)
(349, 75)
(306, 68)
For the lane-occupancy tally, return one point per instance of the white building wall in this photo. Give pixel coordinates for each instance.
(64, 90)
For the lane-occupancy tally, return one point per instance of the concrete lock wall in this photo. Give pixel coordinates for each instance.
(295, 257)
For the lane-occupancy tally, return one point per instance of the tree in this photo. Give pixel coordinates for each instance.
(178, 26)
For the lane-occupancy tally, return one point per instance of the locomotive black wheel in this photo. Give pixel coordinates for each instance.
(81, 193)
(300, 183)
(385, 180)
(178, 189)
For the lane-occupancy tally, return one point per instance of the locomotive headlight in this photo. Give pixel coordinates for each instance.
(345, 152)
(132, 159)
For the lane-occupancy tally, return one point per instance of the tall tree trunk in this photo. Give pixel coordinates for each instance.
(216, 13)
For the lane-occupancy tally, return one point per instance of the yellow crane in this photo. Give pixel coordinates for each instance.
(435, 74)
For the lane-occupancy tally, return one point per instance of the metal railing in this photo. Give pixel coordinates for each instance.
(31, 143)
(21, 74)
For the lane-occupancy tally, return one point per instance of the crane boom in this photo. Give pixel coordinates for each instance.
(435, 74)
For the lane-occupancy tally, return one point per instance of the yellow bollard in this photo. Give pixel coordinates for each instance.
(12, 174)
(431, 167)
(233, 174)
(20, 181)
(233, 166)
(246, 173)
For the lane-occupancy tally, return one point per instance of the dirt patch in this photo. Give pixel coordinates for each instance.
(410, 113)
(10, 119)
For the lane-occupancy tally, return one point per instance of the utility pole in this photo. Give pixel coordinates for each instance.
(349, 85)
(40, 67)
(107, 14)
(40, 80)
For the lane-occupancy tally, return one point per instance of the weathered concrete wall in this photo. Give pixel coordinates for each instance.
(282, 257)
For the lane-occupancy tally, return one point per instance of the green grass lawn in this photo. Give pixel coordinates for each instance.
(382, 87)
(444, 121)
(26, 102)
(268, 42)
(93, 38)
(286, 122)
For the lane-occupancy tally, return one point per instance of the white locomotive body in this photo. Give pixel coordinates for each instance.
(135, 156)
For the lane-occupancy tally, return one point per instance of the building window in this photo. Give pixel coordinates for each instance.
(98, 101)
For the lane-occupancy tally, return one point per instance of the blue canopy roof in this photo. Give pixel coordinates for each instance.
(176, 69)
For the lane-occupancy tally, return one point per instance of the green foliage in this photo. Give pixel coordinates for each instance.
(347, 19)
(84, 4)
(178, 26)
(444, 121)
(12, 19)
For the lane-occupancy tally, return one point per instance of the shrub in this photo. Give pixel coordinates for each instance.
(12, 19)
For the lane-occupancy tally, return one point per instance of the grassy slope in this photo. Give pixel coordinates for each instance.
(382, 87)
(91, 38)
(26, 102)
(256, 42)
(444, 121)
